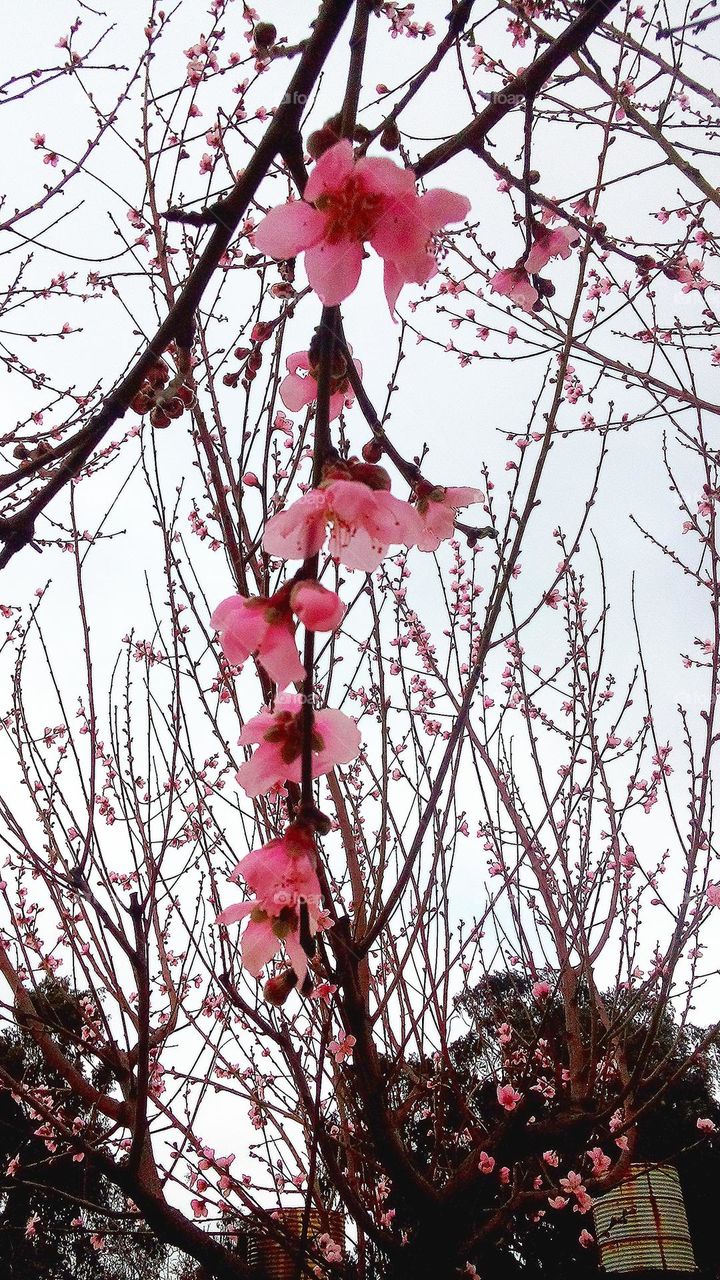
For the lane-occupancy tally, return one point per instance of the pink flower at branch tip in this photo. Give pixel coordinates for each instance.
(508, 1097)
(296, 391)
(438, 508)
(342, 1047)
(364, 519)
(514, 283)
(278, 759)
(586, 1239)
(347, 202)
(283, 878)
(266, 627)
(713, 895)
(486, 1163)
(706, 1125)
(550, 244)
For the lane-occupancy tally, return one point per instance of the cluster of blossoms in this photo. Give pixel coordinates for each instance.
(515, 282)
(162, 399)
(351, 509)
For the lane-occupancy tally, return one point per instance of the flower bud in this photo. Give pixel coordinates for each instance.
(278, 988)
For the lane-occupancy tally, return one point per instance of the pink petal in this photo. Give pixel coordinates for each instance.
(440, 207)
(254, 729)
(400, 234)
(298, 360)
(393, 283)
(261, 772)
(341, 740)
(259, 945)
(296, 955)
(438, 525)
(236, 912)
(317, 608)
(463, 497)
(241, 628)
(298, 532)
(330, 172)
(337, 404)
(297, 392)
(289, 229)
(333, 270)
(279, 656)
(384, 176)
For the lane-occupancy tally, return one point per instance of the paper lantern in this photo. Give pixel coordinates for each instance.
(278, 1263)
(641, 1225)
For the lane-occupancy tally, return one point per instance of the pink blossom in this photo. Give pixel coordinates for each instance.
(342, 1047)
(438, 508)
(347, 202)
(586, 1240)
(282, 875)
(297, 391)
(508, 1097)
(558, 1202)
(364, 521)
(278, 759)
(486, 1163)
(572, 1183)
(199, 1208)
(541, 990)
(551, 1158)
(600, 1162)
(267, 627)
(713, 895)
(706, 1125)
(514, 283)
(550, 244)
(315, 606)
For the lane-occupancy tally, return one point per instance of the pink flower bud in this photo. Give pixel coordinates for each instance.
(317, 608)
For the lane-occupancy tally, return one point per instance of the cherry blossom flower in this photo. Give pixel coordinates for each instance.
(713, 895)
(572, 1182)
(297, 391)
(514, 283)
(508, 1097)
(550, 244)
(551, 1158)
(586, 1239)
(364, 519)
(342, 1047)
(282, 875)
(486, 1163)
(278, 759)
(438, 508)
(541, 990)
(315, 606)
(706, 1125)
(558, 1202)
(348, 202)
(267, 627)
(600, 1162)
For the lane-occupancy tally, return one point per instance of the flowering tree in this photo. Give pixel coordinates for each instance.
(330, 618)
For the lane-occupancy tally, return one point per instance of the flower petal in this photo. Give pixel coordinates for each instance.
(333, 270)
(289, 229)
(258, 946)
(298, 532)
(279, 656)
(331, 171)
(440, 207)
(297, 392)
